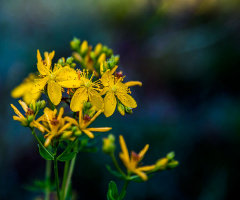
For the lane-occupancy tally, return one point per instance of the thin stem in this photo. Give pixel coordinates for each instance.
(40, 143)
(69, 177)
(65, 175)
(124, 188)
(48, 175)
(116, 165)
(56, 174)
(69, 146)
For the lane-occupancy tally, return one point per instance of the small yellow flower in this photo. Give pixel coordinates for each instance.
(133, 163)
(84, 122)
(23, 90)
(54, 124)
(114, 88)
(88, 90)
(25, 121)
(55, 79)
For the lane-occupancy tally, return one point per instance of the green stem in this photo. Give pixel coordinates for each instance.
(124, 188)
(40, 143)
(70, 172)
(69, 146)
(116, 165)
(56, 176)
(65, 175)
(48, 175)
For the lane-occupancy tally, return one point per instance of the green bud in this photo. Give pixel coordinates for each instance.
(121, 108)
(92, 55)
(61, 61)
(74, 128)
(75, 43)
(173, 164)
(24, 122)
(128, 110)
(109, 144)
(73, 65)
(38, 105)
(66, 135)
(116, 59)
(170, 155)
(88, 104)
(78, 133)
(30, 118)
(43, 104)
(69, 60)
(161, 164)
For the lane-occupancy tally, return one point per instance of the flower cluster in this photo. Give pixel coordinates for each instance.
(95, 87)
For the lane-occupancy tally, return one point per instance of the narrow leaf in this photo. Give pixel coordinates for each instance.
(45, 154)
(67, 156)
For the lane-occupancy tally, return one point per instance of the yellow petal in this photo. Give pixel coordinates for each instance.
(68, 78)
(141, 174)
(48, 58)
(133, 83)
(79, 96)
(88, 133)
(17, 111)
(96, 99)
(126, 100)
(147, 168)
(24, 105)
(16, 118)
(43, 70)
(110, 103)
(48, 140)
(123, 145)
(54, 92)
(107, 78)
(40, 127)
(28, 97)
(102, 58)
(71, 120)
(143, 151)
(20, 90)
(39, 84)
(66, 126)
(103, 129)
(60, 114)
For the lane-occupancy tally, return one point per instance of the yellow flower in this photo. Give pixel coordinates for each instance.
(114, 88)
(53, 124)
(25, 121)
(23, 90)
(84, 122)
(88, 90)
(133, 163)
(56, 79)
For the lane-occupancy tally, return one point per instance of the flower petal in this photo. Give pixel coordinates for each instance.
(24, 105)
(68, 78)
(103, 129)
(17, 111)
(43, 70)
(71, 120)
(126, 100)
(123, 145)
(141, 174)
(79, 96)
(20, 90)
(54, 92)
(96, 99)
(39, 84)
(143, 151)
(147, 168)
(88, 133)
(133, 83)
(110, 103)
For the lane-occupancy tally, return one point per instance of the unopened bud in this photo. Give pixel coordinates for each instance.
(66, 135)
(98, 49)
(69, 60)
(102, 58)
(73, 65)
(121, 108)
(128, 110)
(109, 144)
(74, 44)
(84, 47)
(170, 155)
(78, 133)
(161, 164)
(61, 61)
(24, 122)
(43, 104)
(30, 118)
(173, 164)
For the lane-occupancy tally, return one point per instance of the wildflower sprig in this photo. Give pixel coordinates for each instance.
(79, 89)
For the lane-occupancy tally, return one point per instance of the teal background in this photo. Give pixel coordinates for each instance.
(186, 53)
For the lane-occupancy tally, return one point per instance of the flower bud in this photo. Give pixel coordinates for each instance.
(30, 118)
(108, 144)
(78, 133)
(161, 164)
(128, 110)
(73, 65)
(102, 58)
(74, 44)
(61, 61)
(24, 122)
(84, 47)
(121, 108)
(173, 164)
(170, 155)
(98, 49)
(69, 60)
(66, 135)
(43, 104)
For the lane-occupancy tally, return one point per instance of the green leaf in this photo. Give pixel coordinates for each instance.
(115, 173)
(138, 179)
(47, 155)
(112, 191)
(67, 156)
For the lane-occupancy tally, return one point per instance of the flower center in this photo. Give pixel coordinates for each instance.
(114, 88)
(52, 76)
(54, 122)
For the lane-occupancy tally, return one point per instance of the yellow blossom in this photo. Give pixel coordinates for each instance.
(23, 90)
(54, 124)
(88, 90)
(83, 123)
(133, 163)
(55, 78)
(20, 117)
(114, 88)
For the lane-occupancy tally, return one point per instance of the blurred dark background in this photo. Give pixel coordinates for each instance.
(186, 53)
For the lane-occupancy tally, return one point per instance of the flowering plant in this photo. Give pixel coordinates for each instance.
(94, 89)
